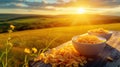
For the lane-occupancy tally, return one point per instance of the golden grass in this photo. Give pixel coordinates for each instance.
(42, 37)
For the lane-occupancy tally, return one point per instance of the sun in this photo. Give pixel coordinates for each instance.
(81, 10)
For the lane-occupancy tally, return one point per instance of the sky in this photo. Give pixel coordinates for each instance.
(54, 7)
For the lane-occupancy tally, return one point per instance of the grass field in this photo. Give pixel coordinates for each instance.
(40, 38)
(30, 22)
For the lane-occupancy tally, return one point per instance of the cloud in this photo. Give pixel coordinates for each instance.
(37, 4)
(20, 5)
(14, 5)
(9, 1)
(94, 3)
(44, 1)
(60, 1)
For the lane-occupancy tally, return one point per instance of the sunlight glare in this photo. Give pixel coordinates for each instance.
(81, 10)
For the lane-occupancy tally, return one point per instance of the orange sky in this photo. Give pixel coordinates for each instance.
(54, 7)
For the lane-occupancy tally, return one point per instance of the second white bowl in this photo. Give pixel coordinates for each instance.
(88, 49)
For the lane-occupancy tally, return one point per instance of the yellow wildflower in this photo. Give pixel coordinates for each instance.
(42, 56)
(34, 50)
(12, 27)
(10, 44)
(26, 50)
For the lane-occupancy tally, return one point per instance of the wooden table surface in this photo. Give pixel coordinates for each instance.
(112, 50)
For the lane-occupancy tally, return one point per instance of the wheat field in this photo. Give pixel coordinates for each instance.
(41, 38)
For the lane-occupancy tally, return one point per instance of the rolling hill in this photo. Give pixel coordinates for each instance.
(32, 37)
(28, 22)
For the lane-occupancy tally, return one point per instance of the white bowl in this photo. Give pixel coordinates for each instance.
(88, 49)
(107, 36)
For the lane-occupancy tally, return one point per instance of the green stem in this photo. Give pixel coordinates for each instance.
(3, 65)
(6, 57)
(49, 44)
(25, 61)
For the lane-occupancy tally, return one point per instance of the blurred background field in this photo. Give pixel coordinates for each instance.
(41, 31)
(29, 22)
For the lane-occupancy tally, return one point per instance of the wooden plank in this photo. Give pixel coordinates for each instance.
(114, 41)
(99, 61)
(112, 50)
(115, 54)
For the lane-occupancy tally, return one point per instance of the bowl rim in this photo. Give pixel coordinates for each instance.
(110, 32)
(75, 37)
